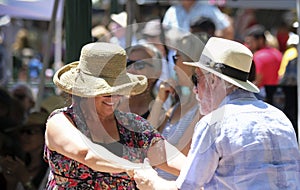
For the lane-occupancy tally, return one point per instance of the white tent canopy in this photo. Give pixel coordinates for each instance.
(28, 9)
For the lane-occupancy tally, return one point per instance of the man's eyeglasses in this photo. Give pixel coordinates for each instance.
(175, 58)
(137, 64)
(196, 79)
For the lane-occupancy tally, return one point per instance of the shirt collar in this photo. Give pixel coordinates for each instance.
(237, 94)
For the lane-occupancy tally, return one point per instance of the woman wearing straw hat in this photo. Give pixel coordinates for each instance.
(82, 140)
(241, 142)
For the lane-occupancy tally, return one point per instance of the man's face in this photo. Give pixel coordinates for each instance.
(251, 43)
(210, 91)
(203, 91)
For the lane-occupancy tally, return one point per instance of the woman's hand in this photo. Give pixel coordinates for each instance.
(146, 178)
(14, 170)
(165, 88)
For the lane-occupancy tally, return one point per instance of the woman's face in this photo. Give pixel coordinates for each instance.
(31, 138)
(142, 64)
(105, 105)
(184, 72)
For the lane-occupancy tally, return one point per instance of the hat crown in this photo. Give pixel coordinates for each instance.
(230, 53)
(101, 70)
(104, 60)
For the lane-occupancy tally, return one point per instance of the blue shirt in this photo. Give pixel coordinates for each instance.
(177, 16)
(244, 144)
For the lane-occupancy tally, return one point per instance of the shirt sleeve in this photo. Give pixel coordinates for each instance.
(170, 18)
(202, 159)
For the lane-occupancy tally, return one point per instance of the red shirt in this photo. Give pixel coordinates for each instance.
(267, 63)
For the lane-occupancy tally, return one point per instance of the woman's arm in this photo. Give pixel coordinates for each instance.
(158, 113)
(61, 136)
(166, 157)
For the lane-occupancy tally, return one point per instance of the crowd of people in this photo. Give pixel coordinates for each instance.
(182, 106)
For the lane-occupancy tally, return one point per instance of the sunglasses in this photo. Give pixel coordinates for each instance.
(196, 79)
(137, 64)
(175, 58)
(113, 96)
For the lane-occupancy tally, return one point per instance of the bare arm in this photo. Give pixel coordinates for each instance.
(158, 114)
(61, 136)
(147, 179)
(166, 157)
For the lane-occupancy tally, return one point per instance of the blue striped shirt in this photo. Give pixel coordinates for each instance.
(244, 144)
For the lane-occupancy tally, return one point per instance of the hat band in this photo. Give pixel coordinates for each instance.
(225, 69)
(235, 73)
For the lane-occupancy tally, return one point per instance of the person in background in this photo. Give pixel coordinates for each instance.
(143, 59)
(154, 33)
(118, 27)
(241, 142)
(204, 28)
(22, 92)
(91, 144)
(267, 59)
(27, 172)
(100, 34)
(186, 11)
(179, 121)
(243, 20)
(288, 67)
(12, 116)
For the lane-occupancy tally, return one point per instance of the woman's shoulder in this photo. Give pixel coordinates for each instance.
(57, 111)
(133, 121)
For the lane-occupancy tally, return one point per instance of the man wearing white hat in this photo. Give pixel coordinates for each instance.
(118, 29)
(241, 142)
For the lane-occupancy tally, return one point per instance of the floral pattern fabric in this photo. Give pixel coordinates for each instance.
(136, 135)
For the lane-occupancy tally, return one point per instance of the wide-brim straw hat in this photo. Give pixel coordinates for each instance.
(100, 71)
(228, 60)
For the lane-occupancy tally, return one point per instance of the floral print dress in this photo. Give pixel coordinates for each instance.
(136, 135)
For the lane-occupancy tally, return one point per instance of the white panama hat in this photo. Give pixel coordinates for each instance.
(229, 60)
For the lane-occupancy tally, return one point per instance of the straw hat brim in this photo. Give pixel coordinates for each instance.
(246, 85)
(73, 81)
